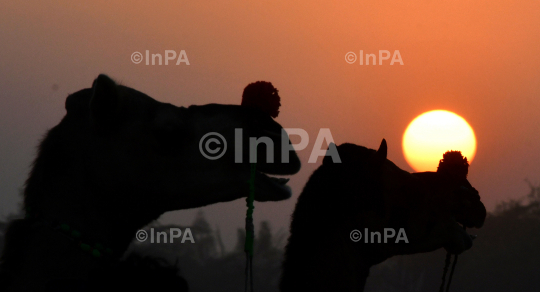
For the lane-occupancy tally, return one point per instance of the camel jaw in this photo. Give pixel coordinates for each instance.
(460, 239)
(269, 188)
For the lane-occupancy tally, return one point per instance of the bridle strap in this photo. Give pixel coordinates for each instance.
(445, 271)
(250, 230)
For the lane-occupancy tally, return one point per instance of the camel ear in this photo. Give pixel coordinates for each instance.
(382, 152)
(104, 102)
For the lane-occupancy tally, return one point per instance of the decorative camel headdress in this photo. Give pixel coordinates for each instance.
(454, 165)
(263, 96)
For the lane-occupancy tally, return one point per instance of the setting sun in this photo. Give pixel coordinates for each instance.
(431, 134)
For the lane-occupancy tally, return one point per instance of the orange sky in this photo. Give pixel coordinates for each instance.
(478, 59)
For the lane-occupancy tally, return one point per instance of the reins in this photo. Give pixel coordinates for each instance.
(445, 270)
(250, 230)
(264, 97)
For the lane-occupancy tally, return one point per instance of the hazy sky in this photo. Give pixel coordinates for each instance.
(479, 59)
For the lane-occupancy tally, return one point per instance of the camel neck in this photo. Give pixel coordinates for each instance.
(47, 255)
(90, 223)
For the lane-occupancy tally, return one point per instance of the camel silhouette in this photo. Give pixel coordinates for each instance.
(367, 192)
(118, 160)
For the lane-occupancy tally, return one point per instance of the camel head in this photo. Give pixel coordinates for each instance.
(117, 150)
(431, 208)
(118, 160)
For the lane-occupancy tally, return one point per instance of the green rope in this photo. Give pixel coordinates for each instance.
(250, 230)
(248, 247)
